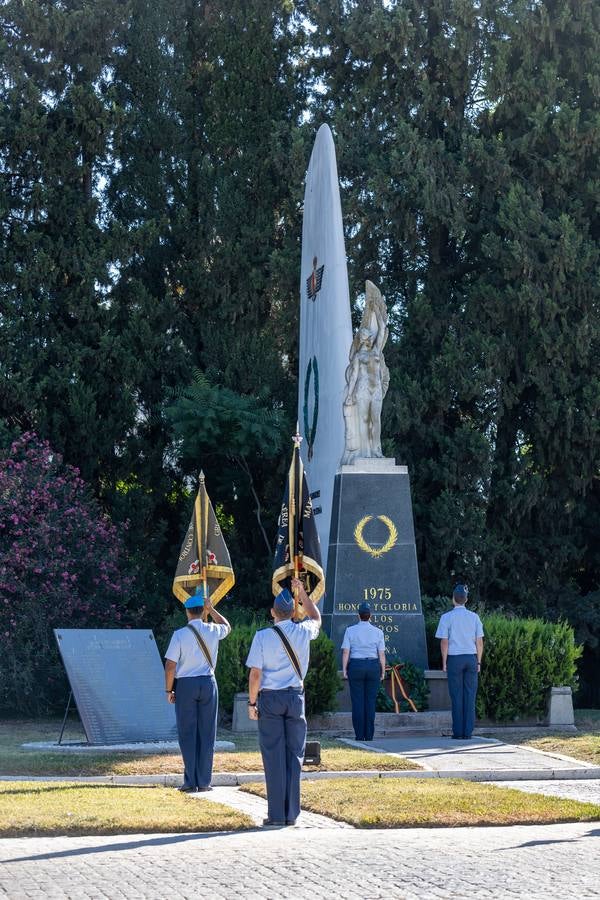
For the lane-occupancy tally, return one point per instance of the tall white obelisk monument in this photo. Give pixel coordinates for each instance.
(325, 331)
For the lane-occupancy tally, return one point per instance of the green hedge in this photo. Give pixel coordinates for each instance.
(522, 659)
(322, 681)
(231, 672)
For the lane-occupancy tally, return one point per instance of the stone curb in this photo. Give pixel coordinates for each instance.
(235, 779)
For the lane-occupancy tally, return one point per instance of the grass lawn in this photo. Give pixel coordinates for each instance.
(14, 760)
(584, 746)
(31, 809)
(414, 802)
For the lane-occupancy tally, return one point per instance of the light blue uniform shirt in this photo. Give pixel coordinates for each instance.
(268, 654)
(461, 627)
(185, 650)
(363, 640)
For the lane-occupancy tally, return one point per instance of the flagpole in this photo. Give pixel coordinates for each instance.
(202, 537)
(296, 498)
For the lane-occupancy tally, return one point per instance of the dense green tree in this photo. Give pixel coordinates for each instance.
(537, 299)
(164, 183)
(152, 157)
(403, 88)
(468, 140)
(62, 365)
(207, 217)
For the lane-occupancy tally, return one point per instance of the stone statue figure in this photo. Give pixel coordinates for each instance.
(367, 380)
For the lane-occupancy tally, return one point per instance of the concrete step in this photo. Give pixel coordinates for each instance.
(386, 724)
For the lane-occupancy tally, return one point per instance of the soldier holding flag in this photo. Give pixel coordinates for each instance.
(279, 656)
(203, 576)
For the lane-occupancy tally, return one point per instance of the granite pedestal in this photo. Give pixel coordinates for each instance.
(372, 556)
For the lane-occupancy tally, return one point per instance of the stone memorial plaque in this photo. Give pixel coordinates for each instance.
(117, 679)
(372, 557)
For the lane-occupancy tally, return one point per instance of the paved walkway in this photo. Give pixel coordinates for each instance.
(337, 861)
(256, 808)
(484, 757)
(552, 861)
(586, 790)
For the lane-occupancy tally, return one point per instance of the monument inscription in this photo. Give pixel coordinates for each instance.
(372, 557)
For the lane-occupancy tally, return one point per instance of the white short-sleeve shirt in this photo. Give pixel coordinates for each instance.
(185, 651)
(268, 653)
(363, 640)
(461, 628)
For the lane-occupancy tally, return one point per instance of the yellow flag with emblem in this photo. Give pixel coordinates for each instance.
(204, 558)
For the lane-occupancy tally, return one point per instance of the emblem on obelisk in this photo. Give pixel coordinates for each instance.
(314, 280)
(310, 428)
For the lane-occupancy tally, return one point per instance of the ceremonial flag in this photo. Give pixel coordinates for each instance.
(298, 550)
(204, 558)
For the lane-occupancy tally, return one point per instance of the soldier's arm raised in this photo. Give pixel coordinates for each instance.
(309, 607)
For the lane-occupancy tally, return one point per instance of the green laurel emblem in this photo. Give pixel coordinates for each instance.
(312, 374)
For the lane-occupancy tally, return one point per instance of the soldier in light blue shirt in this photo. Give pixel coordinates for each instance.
(278, 663)
(461, 636)
(363, 664)
(191, 658)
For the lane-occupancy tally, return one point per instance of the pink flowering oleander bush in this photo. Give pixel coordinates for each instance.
(62, 565)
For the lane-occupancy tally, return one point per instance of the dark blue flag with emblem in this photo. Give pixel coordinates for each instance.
(298, 550)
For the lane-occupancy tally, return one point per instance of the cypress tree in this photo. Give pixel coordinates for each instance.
(62, 364)
(203, 204)
(537, 302)
(402, 88)
(468, 135)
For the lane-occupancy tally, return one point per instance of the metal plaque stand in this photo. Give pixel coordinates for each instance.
(64, 721)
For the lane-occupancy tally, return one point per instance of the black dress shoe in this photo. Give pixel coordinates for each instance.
(272, 823)
(186, 789)
(202, 790)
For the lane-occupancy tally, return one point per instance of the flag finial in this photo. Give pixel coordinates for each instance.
(297, 438)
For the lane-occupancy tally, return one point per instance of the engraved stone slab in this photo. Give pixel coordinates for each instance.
(117, 679)
(372, 556)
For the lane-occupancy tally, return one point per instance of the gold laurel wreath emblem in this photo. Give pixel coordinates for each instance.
(392, 536)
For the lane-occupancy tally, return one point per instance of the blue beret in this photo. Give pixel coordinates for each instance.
(196, 600)
(284, 602)
(364, 607)
(460, 590)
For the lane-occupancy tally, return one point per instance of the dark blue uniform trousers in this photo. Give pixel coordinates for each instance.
(282, 739)
(364, 678)
(462, 686)
(196, 702)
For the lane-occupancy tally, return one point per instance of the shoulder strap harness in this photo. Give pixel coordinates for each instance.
(202, 645)
(290, 651)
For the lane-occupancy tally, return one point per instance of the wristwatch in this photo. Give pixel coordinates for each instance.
(251, 704)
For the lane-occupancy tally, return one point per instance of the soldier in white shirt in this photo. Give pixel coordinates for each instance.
(461, 636)
(278, 666)
(363, 664)
(191, 658)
